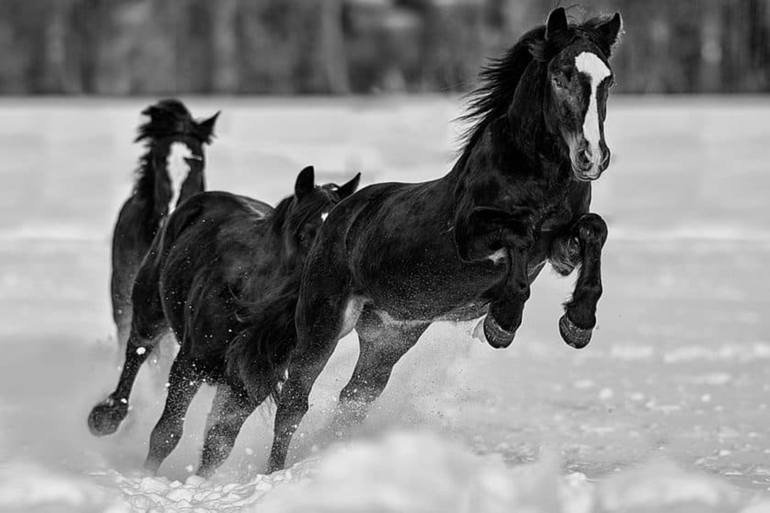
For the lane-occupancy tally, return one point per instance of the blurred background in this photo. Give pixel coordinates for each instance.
(157, 47)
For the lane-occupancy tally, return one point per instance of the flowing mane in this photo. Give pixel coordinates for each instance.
(501, 76)
(301, 212)
(168, 118)
(261, 349)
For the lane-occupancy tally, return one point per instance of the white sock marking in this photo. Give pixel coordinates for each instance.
(590, 64)
(177, 170)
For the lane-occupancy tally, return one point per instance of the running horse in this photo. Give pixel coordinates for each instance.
(223, 273)
(169, 172)
(394, 257)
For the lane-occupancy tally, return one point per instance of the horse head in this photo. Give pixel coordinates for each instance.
(578, 79)
(176, 157)
(303, 213)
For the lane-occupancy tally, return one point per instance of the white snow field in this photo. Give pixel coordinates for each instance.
(665, 411)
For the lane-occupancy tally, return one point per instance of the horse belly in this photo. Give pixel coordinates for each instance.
(428, 292)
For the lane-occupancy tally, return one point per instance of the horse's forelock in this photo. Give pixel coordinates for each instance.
(171, 118)
(544, 50)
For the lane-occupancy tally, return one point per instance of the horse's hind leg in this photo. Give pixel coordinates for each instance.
(381, 346)
(183, 383)
(121, 314)
(325, 313)
(584, 244)
(106, 416)
(148, 324)
(230, 410)
(126, 262)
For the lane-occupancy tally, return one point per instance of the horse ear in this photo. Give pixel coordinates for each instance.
(610, 30)
(557, 22)
(305, 182)
(207, 126)
(349, 188)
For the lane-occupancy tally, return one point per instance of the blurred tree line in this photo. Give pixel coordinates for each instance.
(339, 46)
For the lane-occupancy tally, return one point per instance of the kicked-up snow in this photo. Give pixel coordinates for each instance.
(665, 411)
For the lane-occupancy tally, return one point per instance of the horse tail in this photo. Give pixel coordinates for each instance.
(169, 118)
(260, 353)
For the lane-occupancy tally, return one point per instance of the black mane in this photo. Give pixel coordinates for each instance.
(500, 78)
(260, 351)
(299, 211)
(262, 348)
(168, 119)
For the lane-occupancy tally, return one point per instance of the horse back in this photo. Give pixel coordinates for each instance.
(210, 248)
(397, 244)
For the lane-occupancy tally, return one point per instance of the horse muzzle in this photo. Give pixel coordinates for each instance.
(588, 164)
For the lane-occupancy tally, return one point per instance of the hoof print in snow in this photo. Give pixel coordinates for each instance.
(106, 417)
(573, 335)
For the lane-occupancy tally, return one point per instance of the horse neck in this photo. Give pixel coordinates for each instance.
(163, 188)
(287, 258)
(512, 148)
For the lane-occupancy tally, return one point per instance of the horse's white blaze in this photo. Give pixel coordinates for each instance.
(590, 64)
(177, 170)
(324, 215)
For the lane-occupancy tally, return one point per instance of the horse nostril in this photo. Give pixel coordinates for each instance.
(584, 158)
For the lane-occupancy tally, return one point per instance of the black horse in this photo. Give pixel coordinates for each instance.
(224, 275)
(169, 172)
(395, 257)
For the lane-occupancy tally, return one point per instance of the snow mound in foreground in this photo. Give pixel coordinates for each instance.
(414, 472)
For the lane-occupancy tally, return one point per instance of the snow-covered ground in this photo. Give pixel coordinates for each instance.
(665, 411)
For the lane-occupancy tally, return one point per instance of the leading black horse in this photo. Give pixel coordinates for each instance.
(395, 257)
(169, 172)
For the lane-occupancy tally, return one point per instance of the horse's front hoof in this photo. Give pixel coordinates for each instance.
(107, 416)
(573, 335)
(496, 335)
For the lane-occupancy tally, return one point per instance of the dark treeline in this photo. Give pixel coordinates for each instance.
(340, 46)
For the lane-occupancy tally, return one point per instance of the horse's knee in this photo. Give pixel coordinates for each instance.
(591, 228)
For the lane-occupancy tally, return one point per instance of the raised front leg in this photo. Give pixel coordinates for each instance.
(582, 245)
(487, 232)
(500, 236)
(506, 311)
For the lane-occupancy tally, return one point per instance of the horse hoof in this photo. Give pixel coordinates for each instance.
(497, 336)
(106, 417)
(573, 335)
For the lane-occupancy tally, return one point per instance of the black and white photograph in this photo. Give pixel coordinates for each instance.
(384, 256)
